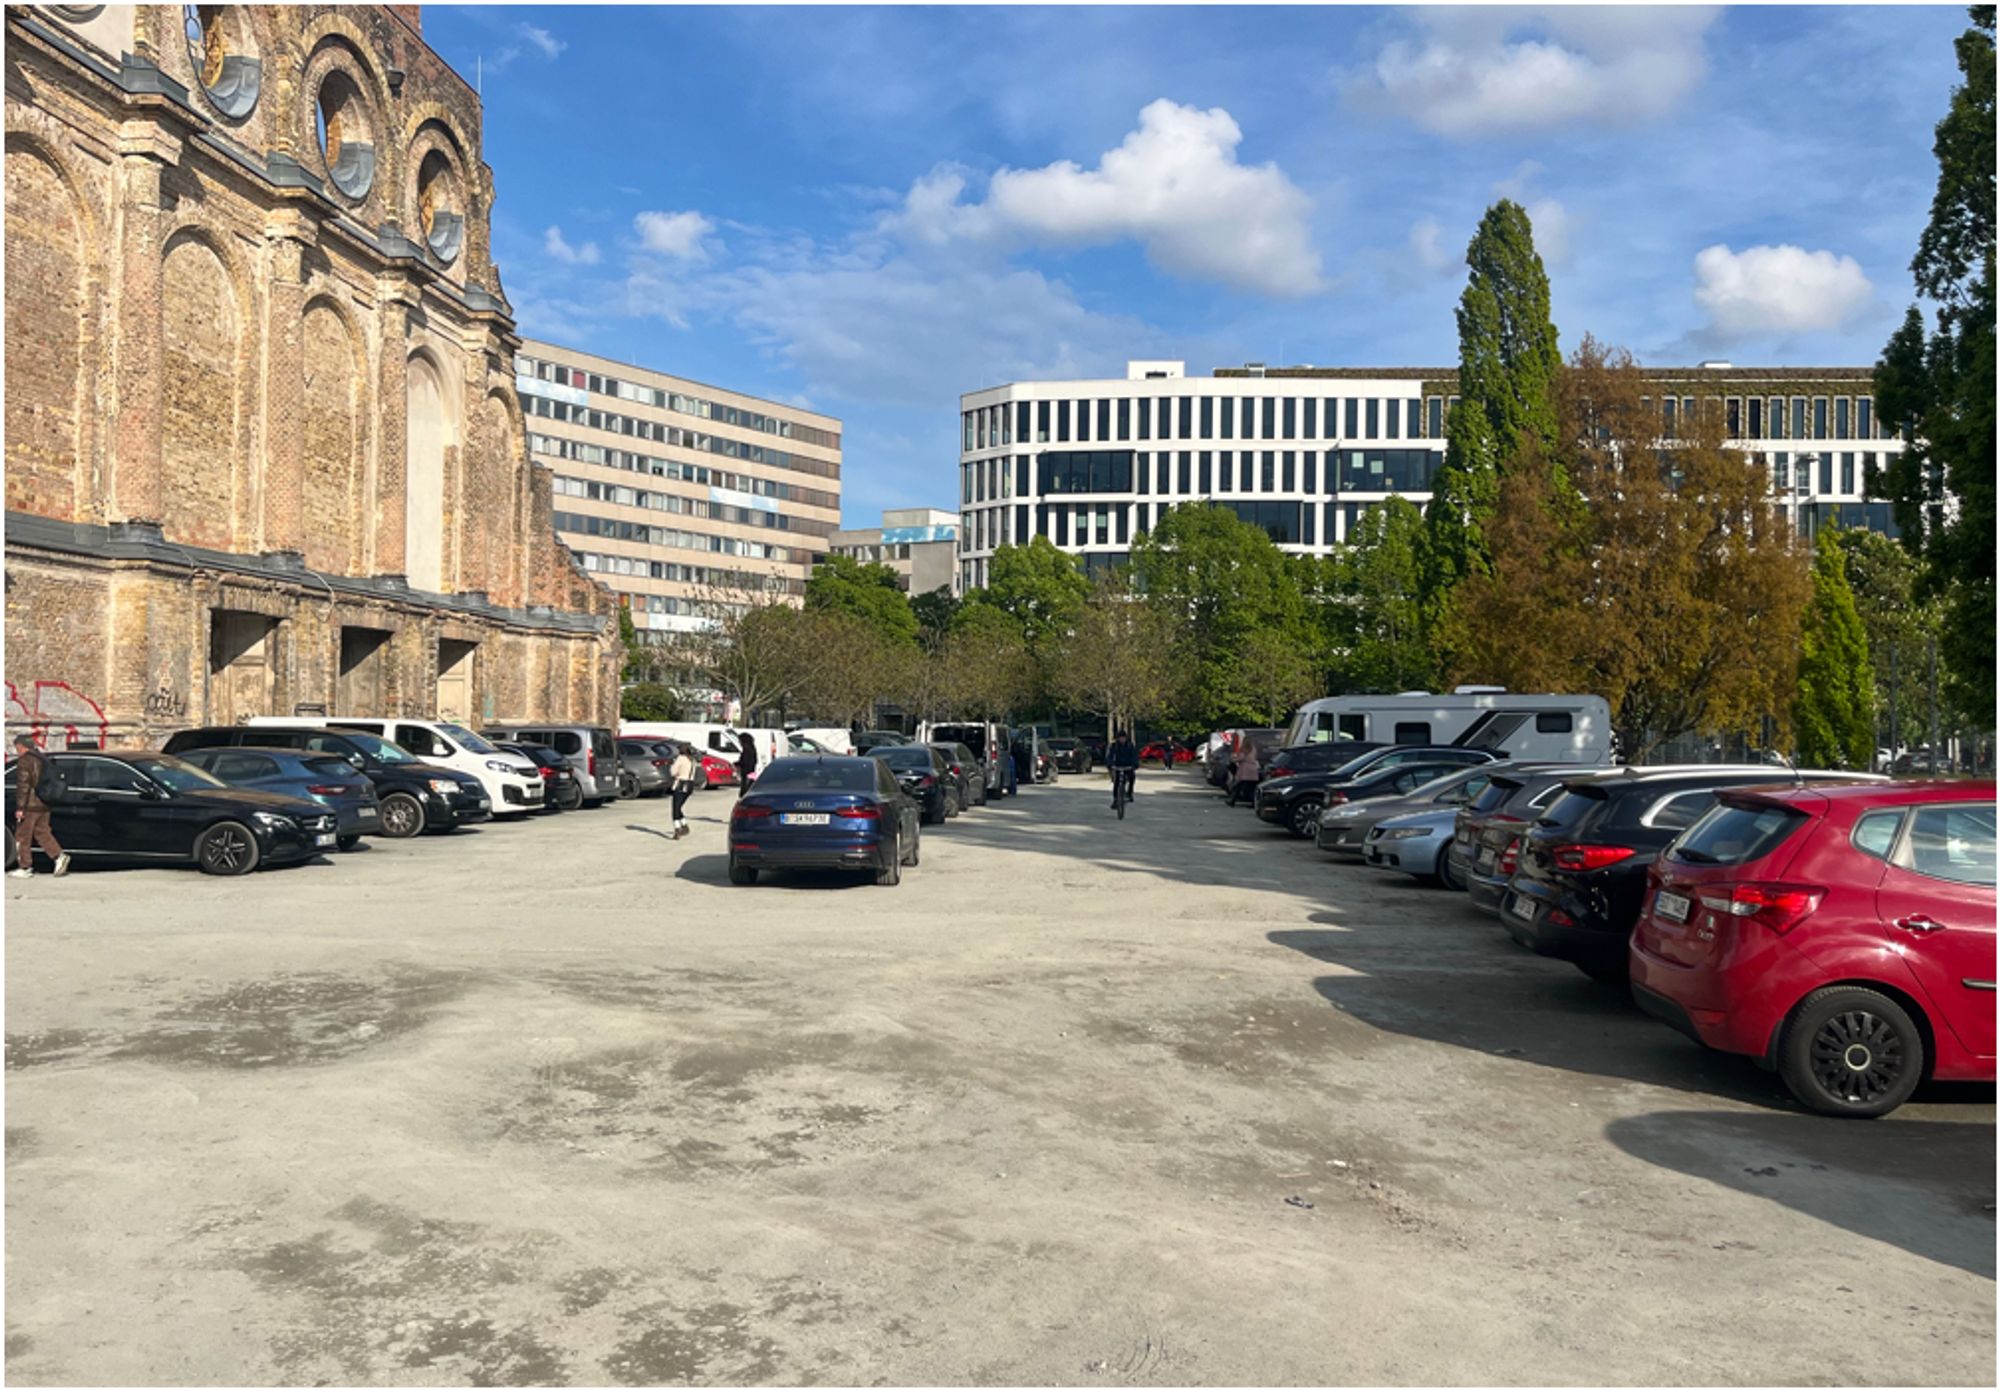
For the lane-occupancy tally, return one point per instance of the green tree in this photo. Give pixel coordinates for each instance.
(1900, 628)
(1937, 386)
(872, 593)
(1374, 631)
(1121, 657)
(1224, 581)
(1041, 586)
(649, 700)
(934, 612)
(1833, 715)
(1508, 359)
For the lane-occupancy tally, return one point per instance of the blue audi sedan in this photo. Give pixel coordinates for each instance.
(823, 812)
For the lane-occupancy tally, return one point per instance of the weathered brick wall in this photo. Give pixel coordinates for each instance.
(188, 345)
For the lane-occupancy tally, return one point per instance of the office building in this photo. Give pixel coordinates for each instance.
(1304, 451)
(264, 454)
(919, 543)
(679, 495)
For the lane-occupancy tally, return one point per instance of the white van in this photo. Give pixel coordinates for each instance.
(827, 737)
(1552, 728)
(722, 740)
(513, 784)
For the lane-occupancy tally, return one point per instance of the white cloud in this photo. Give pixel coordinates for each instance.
(1551, 221)
(1174, 186)
(1426, 246)
(559, 249)
(1764, 291)
(542, 39)
(1504, 71)
(679, 235)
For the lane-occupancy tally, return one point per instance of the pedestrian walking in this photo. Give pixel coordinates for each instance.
(31, 813)
(746, 761)
(682, 773)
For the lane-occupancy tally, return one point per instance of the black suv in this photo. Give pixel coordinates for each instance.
(925, 777)
(151, 806)
(415, 796)
(1581, 877)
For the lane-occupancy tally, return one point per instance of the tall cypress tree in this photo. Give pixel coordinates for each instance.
(1508, 361)
(1937, 386)
(1833, 716)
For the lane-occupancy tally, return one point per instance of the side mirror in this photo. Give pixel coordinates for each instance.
(357, 760)
(152, 792)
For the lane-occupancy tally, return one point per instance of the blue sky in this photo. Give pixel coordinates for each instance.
(869, 211)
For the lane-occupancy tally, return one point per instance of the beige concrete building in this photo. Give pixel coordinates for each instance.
(675, 493)
(919, 543)
(264, 454)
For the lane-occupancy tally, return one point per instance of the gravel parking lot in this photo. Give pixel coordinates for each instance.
(1162, 1101)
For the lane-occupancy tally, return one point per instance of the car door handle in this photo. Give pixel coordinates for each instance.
(1917, 922)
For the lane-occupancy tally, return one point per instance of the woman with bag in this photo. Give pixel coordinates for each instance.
(681, 771)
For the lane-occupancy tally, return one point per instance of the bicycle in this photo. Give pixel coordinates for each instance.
(1119, 795)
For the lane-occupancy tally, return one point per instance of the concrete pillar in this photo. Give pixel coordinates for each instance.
(145, 149)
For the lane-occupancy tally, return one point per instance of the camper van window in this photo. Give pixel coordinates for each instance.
(1553, 722)
(1353, 727)
(1413, 732)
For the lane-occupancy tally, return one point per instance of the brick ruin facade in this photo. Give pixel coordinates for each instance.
(263, 449)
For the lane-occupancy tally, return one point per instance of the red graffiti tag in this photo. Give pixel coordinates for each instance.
(57, 715)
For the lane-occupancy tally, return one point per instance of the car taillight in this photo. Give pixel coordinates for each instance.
(1334, 799)
(749, 811)
(329, 789)
(866, 812)
(1276, 773)
(1509, 858)
(1581, 858)
(1780, 907)
(590, 762)
(663, 763)
(548, 772)
(927, 780)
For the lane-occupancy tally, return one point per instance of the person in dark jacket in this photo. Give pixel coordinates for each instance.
(1122, 759)
(746, 761)
(31, 813)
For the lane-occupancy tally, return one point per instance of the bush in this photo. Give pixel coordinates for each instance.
(649, 700)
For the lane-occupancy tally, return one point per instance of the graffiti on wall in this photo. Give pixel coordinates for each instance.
(57, 715)
(166, 703)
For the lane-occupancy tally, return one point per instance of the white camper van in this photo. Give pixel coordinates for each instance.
(512, 783)
(1555, 728)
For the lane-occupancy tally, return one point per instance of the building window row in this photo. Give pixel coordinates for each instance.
(1777, 417)
(660, 433)
(598, 563)
(617, 495)
(696, 406)
(1105, 420)
(1197, 473)
(584, 453)
(611, 527)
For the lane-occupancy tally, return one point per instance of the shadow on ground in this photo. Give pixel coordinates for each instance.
(1923, 1185)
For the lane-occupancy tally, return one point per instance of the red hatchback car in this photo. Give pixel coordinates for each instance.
(1843, 935)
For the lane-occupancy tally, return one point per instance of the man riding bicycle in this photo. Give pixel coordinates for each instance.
(1122, 758)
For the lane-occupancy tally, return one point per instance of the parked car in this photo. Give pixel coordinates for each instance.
(806, 743)
(1344, 826)
(824, 813)
(1581, 876)
(987, 742)
(922, 773)
(1167, 748)
(870, 739)
(1486, 836)
(716, 771)
(1390, 755)
(1413, 843)
(1296, 802)
(833, 739)
(590, 749)
(1069, 753)
(324, 778)
(513, 787)
(560, 789)
(414, 796)
(1843, 935)
(1315, 758)
(970, 771)
(155, 807)
(644, 768)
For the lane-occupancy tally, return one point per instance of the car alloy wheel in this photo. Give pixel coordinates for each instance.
(628, 786)
(1850, 1051)
(402, 816)
(226, 848)
(1305, 817)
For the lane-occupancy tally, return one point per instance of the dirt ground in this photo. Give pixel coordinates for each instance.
(1173, 1100)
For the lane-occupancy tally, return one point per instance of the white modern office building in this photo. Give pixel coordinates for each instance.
(1304, 451)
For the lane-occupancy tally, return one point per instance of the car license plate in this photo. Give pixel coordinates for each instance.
(1522, 908)
(1671, 906)
(1485, 858)
(368, 813)
(804, 818)
(324, 840)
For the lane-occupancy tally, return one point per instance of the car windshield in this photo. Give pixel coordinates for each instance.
(467, 740)
(817, 775)
(903, 755)
(172, 772)
(378, 748)
(1063, 744)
